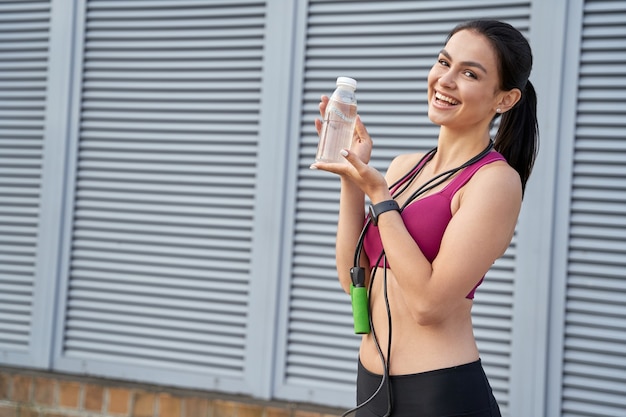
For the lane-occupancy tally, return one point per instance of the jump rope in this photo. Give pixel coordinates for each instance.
(361, 307)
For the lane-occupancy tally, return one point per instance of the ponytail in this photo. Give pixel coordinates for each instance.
(517, 137)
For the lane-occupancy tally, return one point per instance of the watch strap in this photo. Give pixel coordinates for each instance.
(377, 209)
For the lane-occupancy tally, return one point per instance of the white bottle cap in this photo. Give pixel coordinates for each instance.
(351, 82)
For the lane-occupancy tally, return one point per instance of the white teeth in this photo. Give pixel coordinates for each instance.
(440, 96)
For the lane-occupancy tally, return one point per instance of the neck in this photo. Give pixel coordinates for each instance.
(455, 148)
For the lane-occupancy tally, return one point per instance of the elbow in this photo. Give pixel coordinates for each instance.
(432, 313)
(344, 281)
(427, 314)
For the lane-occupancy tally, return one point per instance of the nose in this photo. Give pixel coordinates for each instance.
(447, 80)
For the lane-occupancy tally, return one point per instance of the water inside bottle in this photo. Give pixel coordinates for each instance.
(337, 131)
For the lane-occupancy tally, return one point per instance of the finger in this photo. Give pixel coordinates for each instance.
(361, 130)
(332, 167)
(318, 126)
(323, 103)
(352, 158)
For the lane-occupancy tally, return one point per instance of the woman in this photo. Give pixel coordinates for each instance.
(435, 232)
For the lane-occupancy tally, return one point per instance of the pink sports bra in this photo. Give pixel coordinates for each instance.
(427, 218)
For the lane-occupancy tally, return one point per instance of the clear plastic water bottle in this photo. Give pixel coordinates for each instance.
(338, 124)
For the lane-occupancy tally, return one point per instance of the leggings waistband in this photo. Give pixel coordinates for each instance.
(456, 391)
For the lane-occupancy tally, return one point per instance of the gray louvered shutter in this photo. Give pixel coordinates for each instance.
(389, 47)
(158, 285)
(594, 367)
(24, 38)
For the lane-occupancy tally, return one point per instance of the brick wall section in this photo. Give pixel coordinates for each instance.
(25, 393)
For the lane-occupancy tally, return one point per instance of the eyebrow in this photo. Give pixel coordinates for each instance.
(464, 63)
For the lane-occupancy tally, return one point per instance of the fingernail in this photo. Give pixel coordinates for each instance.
(343, 152)
(312, 167)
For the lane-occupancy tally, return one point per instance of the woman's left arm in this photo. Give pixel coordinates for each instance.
(478, 233)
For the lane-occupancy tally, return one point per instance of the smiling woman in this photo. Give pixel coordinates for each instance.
(436, 225)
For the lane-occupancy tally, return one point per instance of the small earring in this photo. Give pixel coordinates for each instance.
(498, 110)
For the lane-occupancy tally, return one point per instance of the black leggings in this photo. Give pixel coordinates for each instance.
(458, 391)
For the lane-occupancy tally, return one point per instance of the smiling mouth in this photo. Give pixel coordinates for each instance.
(440, 98)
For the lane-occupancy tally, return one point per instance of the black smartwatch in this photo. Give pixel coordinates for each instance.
(382, 207)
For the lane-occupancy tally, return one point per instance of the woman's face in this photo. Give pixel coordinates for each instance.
(463, 85)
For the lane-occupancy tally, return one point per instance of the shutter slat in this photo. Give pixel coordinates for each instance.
(165, 322)
(79, 308)
(164, 354)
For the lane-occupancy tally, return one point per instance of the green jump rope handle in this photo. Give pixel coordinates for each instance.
(360, 309)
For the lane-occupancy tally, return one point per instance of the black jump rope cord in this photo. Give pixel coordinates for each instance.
(378, 348)
(424, 188)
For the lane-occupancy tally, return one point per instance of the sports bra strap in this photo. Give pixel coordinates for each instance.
(465, 175)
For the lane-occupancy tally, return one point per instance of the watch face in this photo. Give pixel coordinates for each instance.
(380, 208)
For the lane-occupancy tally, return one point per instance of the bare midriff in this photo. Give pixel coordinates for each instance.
(416, 347)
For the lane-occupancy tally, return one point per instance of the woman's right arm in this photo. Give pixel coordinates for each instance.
(352, 217)
(351, 206)
(349, 226)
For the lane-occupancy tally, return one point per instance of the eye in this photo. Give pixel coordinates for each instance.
(469, 74)
(443, 63)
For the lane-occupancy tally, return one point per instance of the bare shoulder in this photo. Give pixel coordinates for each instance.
(500, 174)
(495, 182)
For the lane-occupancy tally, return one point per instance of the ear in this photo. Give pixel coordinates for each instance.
(508, 99)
